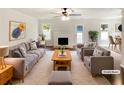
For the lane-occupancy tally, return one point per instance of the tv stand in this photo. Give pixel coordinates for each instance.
(66, 47)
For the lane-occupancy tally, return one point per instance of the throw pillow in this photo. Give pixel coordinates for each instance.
(33, 45)
(90, 44)
(97, 52)
(27, 46)
(38, 44)
(86, 44)
(79, 45)
(23, 51)
(16, 53)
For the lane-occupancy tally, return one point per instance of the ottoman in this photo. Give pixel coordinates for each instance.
(60, 78)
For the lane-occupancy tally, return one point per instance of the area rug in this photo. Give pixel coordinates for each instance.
(40, 73)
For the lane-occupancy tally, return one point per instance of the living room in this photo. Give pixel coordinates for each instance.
(83, 20)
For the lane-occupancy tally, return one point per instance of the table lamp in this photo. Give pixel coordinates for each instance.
(3, 52)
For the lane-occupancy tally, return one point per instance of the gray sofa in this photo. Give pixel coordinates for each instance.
(95, 64)
(23, 65)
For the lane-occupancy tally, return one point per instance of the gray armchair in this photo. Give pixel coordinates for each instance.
(96, 64)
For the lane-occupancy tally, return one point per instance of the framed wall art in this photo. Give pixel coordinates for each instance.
(17, 30)
(104, 27)
(118, 27)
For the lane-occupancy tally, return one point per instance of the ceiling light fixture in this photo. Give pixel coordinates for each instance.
(65, 18)
(65, 14)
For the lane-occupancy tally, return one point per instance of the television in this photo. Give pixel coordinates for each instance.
(63, 41)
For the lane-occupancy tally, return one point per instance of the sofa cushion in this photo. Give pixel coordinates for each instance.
(90, 44)
(16, 53)
(39, 52)
(39, 45)
(36, 52)
(23, 45)
(30, 60)
(80, 45)
(105, 52)
(33, 45)
(23, 51)
(87, 58)
(27, 46)
(86, 44)
(97, 52)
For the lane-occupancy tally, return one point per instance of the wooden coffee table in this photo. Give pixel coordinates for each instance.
(61, 61)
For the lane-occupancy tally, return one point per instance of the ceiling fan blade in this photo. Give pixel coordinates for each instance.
(75, 14)
(57, 16)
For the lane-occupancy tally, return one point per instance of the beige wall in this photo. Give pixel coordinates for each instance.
(7, 15)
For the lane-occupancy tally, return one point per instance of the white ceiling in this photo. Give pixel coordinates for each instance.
(49, 13)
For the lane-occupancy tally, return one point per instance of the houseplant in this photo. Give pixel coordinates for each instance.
(93, 35)
(42, 37)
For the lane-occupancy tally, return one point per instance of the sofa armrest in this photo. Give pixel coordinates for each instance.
(101, 63)
(18, 65)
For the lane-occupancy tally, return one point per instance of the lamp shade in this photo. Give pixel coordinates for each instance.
(4, 50)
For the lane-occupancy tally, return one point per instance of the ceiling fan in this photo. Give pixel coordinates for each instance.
(69, 12)
(65, 13)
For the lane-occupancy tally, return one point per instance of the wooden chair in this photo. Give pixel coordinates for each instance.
(118, 42)
(111, 42)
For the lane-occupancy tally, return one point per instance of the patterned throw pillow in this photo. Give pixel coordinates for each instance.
(86, 44)
(27, 46)
(23, 51)
(16, 53)
(90, 44)
(97, 52)
(33, 45)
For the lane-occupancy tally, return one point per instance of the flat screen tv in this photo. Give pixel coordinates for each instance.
(63, 41)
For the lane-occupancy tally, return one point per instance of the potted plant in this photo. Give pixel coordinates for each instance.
(93, 35)
(42, 37)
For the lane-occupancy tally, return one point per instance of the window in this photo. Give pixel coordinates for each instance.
(46, 31)
(104, 35)
(104, 32)
(79, 31)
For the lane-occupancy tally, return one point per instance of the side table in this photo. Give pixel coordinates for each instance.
(6, 74)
